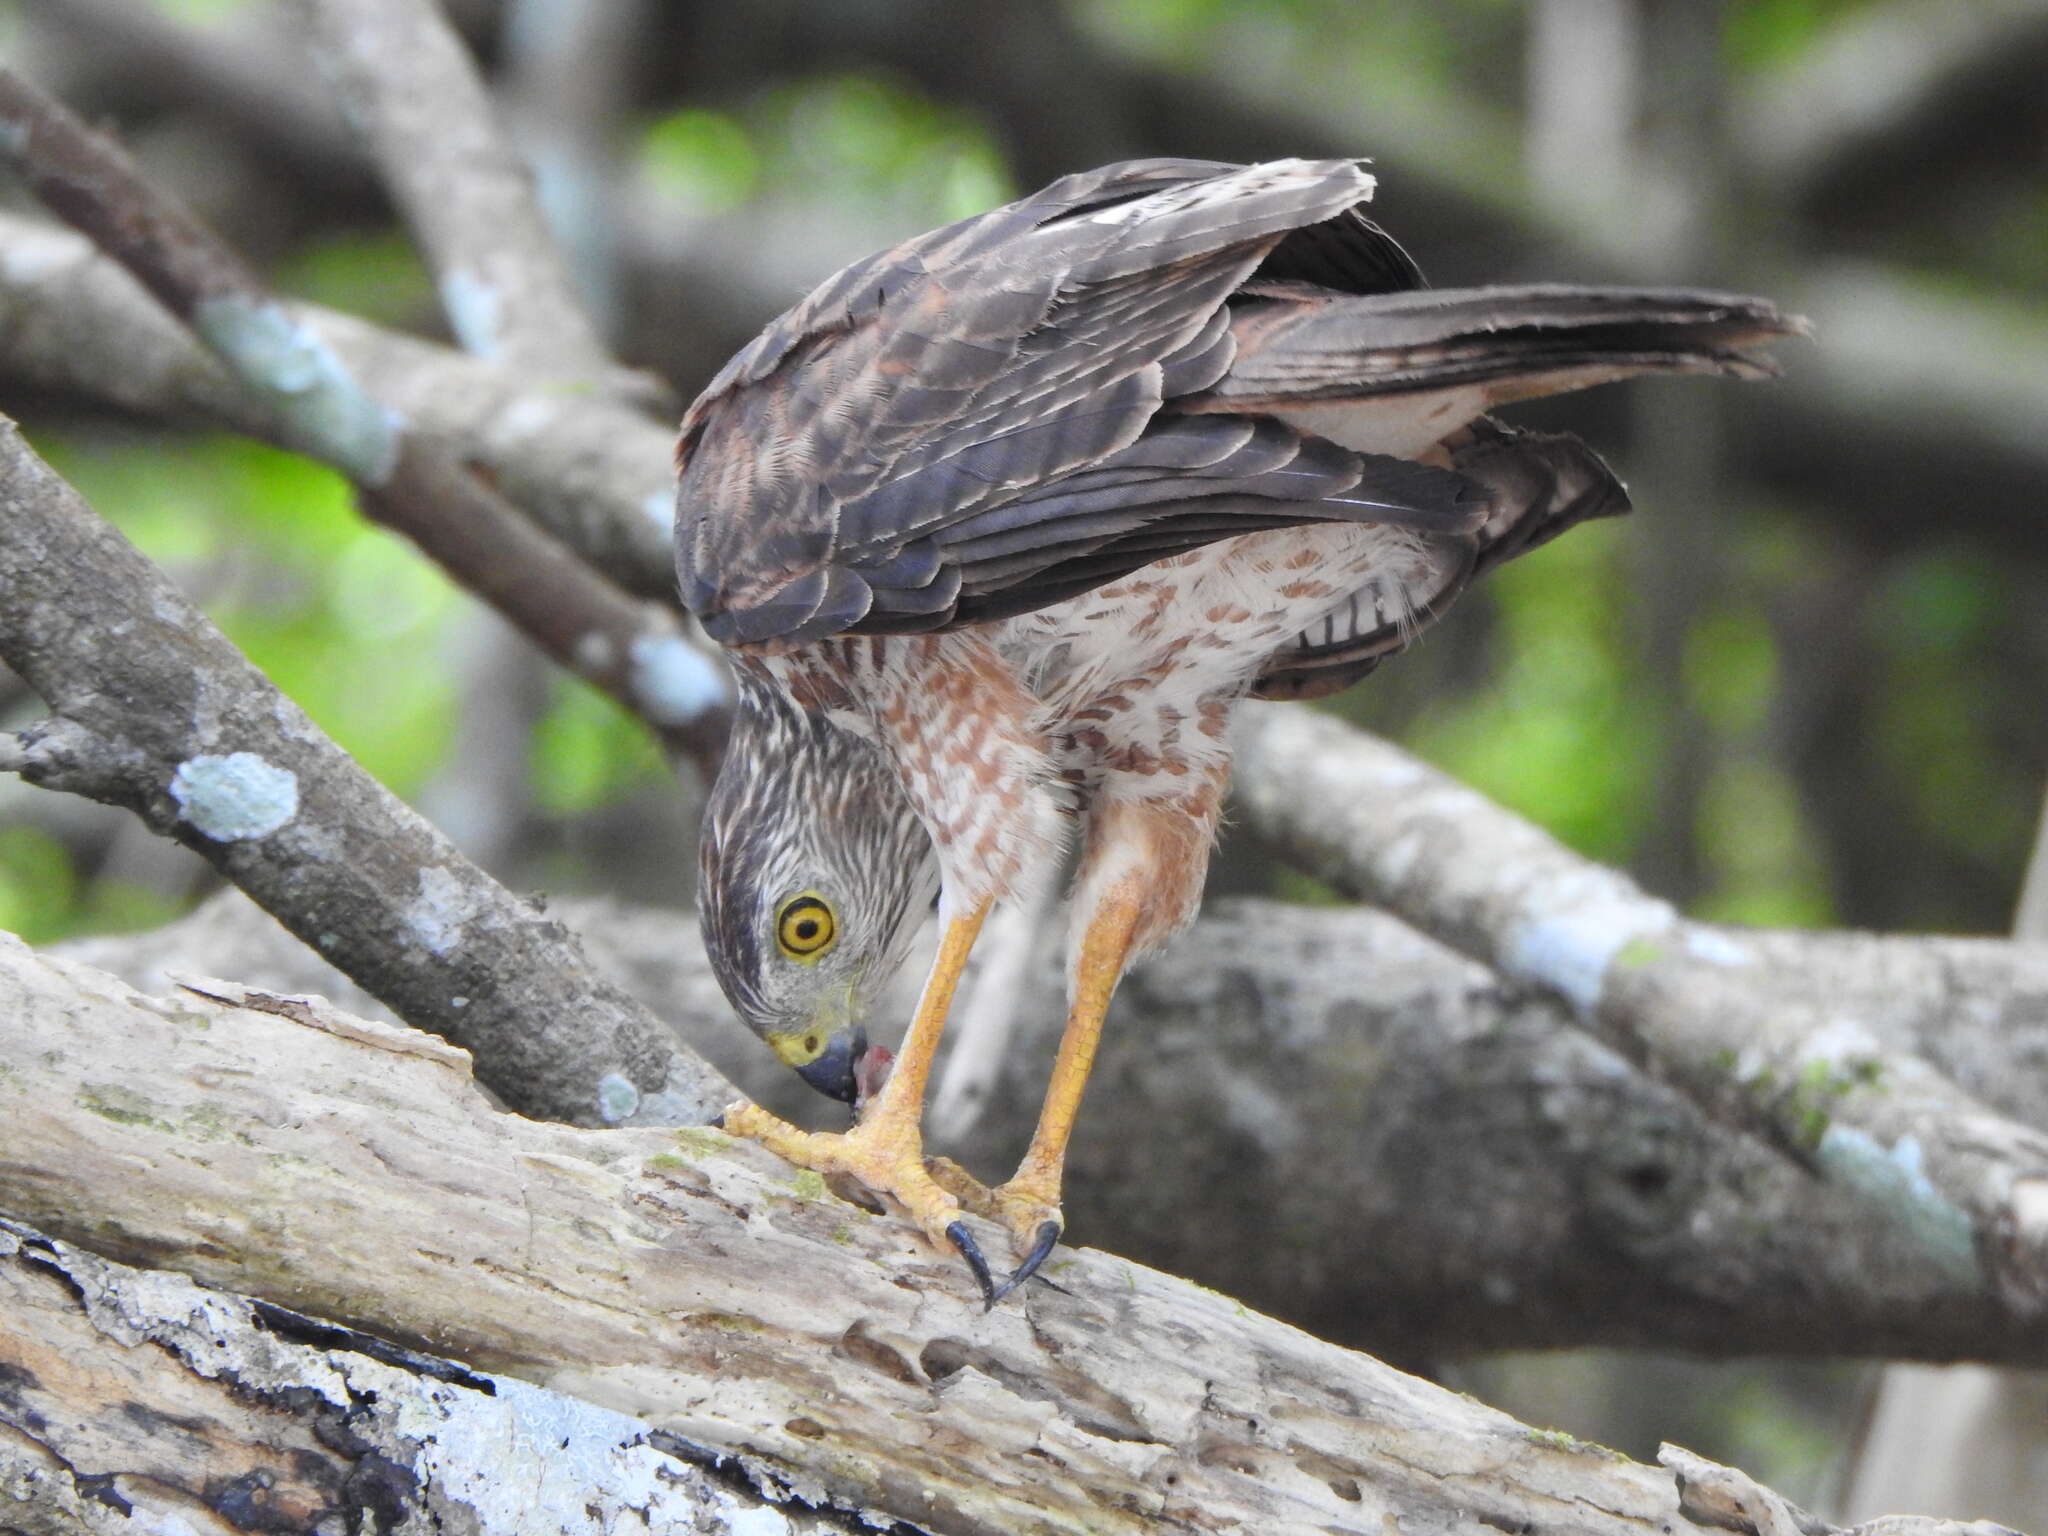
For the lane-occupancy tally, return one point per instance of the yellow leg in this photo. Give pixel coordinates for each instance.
(1096, 974)
(886, 1150)
(1029, 1204)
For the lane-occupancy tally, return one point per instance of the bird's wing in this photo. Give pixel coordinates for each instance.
(1187, 480)
(972, 423)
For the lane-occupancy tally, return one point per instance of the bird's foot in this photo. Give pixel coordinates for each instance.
(885, 1154)
(1032, 1215)
(1028, 1207)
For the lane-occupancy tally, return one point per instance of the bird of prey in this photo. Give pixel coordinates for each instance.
(999, 526)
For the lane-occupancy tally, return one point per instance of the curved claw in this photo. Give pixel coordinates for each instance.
(970, 1250)
(1041, 1250)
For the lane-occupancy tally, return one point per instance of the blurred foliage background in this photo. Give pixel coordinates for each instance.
(1803, 685)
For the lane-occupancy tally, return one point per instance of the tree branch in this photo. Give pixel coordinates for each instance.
(569, 80)
(1893, 104)
(348, 1172)
(152, 709)
(246, 1415)
(594, 475)
(1971, 1186)
(413, 91)
(635, 651)
(1410, 1157)
(248, 79)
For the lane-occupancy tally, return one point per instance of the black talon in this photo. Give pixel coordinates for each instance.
(1041, 1250)
(970, 1250)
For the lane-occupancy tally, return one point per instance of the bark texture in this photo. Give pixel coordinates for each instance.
(1803, 1070)
(138, 1400)
(349, 1171)
(1411, 1156)
(154, 710)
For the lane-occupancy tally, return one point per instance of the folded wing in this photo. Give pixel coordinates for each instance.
(1132, 363)
(1006, 380)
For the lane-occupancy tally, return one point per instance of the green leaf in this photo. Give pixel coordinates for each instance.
(375, 274)
(701, 157)
(38, 886)
(588, 752)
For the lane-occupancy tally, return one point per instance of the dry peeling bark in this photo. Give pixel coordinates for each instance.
(351, 1172)
(1406, 1155)
(135, 1399)
(138, 1398)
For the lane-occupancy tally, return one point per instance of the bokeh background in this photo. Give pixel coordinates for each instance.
(1802, 686)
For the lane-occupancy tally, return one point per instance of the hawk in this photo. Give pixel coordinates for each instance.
(999, 526)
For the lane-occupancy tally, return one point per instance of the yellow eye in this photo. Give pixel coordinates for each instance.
(806, 927)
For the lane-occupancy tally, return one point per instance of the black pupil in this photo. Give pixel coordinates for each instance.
(807, 929)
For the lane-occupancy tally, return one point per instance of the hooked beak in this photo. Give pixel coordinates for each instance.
(835, 1071)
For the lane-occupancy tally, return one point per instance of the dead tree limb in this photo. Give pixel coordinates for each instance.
(635, 651)
(414, 94)
(1412, 1157)
(154, 710)
(1382, 826)
(351, 1173)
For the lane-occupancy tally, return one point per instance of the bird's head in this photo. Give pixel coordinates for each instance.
(814, 874)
